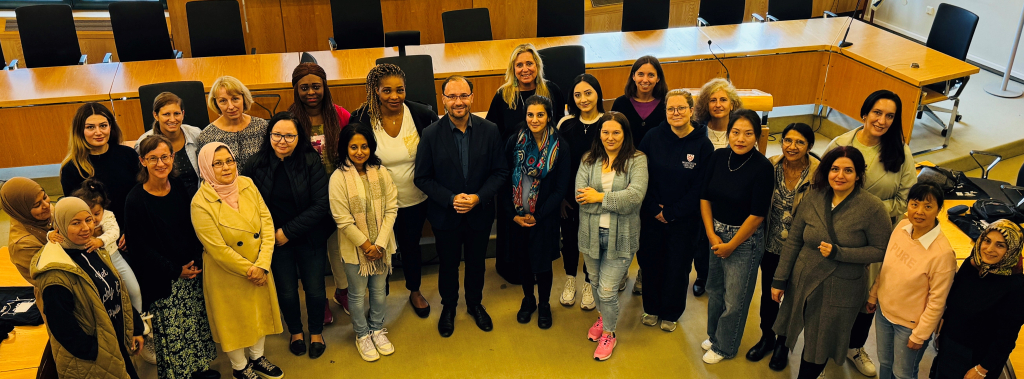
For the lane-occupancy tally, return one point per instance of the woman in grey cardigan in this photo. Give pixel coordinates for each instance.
(839, 229)
(610, 187)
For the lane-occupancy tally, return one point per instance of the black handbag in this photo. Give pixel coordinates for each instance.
(990, 210)
(945, 179)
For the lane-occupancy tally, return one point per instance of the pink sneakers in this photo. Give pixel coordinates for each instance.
(605, 347)
(595, 331)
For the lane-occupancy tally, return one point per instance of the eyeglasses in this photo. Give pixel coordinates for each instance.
(288, 138)
(790, 141)
(677, 109)
(463, 97)
(162, 158)
(219, 164)
(306, 87)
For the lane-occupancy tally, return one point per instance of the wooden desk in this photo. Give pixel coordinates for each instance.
(22, 350)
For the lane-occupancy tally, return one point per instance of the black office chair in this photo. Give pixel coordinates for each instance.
(306, 58)
(215, 28)
(951, 34)
(562, 64)
(466, 25)
(785, 10)
(140, 31)
(720, 12)
(419, 77)
(48, 36)
(401, 39)
(640, 15)
(557, 18)
(192, 97)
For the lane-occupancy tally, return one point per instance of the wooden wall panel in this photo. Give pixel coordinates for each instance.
(93, 44)
(761, 72)
(609, 18)
(511, 18)
(850, 82)
(754, 6)
(179, 26)
(24, 146)
(307, 24)
(263, 26)
(422, 15)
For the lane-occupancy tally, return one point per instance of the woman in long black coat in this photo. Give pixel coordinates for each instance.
(539, 178)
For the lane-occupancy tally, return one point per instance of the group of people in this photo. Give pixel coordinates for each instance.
(202, 236)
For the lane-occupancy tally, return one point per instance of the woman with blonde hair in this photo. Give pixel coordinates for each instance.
(168, 114)
(717, 99)
(95, 151)
(243, 133)
(523, 78)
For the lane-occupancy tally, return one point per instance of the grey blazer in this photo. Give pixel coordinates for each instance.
(823, 295)
(622, 201)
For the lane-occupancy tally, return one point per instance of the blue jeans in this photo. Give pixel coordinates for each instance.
(357, 288)
(895, 359)
(730, 288)
(607, 272)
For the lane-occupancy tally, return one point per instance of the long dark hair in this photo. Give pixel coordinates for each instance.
(78, 148)
(660, 89)
(346, 135)
(626, 152)
(574, 109)
(892, 155)
(266, 152)
(820, 181)
(332, 123)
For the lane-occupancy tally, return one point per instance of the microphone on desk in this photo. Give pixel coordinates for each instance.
(720, 62)
(852, 19)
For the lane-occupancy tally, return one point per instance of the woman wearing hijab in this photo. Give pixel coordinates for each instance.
(86, 309)
(29, 207)
(984, 311)
(237, 233)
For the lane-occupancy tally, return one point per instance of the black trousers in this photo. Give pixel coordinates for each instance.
(861, 327)
(810, 370)
(408, 230)
(666, 251)
(294, 262)
(700, 261)
(954, 360)
(769, 309)
(462, 242)
(571, 244)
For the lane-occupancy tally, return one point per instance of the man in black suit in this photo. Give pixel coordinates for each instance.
(459, 165)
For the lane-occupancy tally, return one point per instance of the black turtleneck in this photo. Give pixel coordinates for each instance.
(738, 186)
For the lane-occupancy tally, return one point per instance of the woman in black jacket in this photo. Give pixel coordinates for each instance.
(524, 77)
(397, 124)
(538, 180)
(290, 176)
(643, 104)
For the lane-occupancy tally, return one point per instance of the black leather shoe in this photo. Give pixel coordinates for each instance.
(544, 316)
(483, 320)
(208, 374)
(446, 325)
(316, 349)
(526, 310)
(780, 358)
(761, 348)
(698, 287)
(421, 312)
(298, 347)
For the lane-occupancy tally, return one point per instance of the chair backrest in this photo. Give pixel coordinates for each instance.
(193, 99)
(952, 31)
(419, 77)
(559, 18)
(640, 15)
(786, 10)
(722, 12)
(358, 24)
(2, 59)
(48, 36)
(215, 28)
(466, 25)
(140, 31)
(562, 64)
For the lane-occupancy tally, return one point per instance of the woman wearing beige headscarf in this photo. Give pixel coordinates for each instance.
(237, 233)
(29, 207)
(92, 326)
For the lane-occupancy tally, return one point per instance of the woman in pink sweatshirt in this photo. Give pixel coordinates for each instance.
(910, 292)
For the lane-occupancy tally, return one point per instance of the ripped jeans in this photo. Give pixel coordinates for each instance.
(605, 276)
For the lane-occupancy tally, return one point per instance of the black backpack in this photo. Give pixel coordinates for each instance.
(990, 210)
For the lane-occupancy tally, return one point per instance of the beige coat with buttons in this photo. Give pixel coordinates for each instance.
(240, 312)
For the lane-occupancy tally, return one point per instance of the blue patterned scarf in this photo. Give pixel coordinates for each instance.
(534, 162)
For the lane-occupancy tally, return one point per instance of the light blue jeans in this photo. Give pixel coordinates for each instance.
(358, 285)
(127, 279)
(895, 359)
(605, 276)
(730, 288)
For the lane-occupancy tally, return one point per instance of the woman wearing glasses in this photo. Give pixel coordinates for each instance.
(167, 121)
(288, 173)
(237, 233)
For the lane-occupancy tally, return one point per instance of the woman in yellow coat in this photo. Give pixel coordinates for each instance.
(237, 233)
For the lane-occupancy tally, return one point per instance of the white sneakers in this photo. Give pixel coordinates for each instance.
(710, 356)
(375, 344)
(366, 348)
(148, 352)
(588, 302)
(380, 340)
(862, 361)
(568, 297)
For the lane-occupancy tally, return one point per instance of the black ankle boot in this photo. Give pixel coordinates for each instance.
(762, 348)
(526, 310)
(544, 316)
(780, 357)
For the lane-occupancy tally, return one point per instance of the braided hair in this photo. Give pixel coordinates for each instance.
(373, 78)
(332, 122)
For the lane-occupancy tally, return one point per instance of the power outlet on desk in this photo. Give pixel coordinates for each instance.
(929, 10)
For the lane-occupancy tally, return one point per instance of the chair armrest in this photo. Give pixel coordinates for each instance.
(253, 51)
(960, 88)
(333, 44)
(828, 14)
(772, 18)
(702, 22)
(107, 57)
(13, 65)
(757, 17)
(84, 59)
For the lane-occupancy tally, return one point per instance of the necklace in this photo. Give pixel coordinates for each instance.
(728, 163)
(717, 136)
